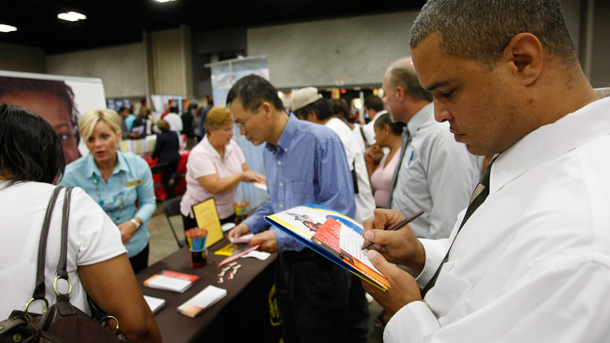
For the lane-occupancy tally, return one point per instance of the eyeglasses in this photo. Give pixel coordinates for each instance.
(242, 125)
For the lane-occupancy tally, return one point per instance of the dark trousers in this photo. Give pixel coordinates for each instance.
(319, 301)
(190, 223)
(169, 172)
(140, 261)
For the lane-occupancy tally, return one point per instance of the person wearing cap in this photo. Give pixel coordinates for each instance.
(308, 104)
(305, 163)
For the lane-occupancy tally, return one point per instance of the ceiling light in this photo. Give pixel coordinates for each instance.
(7, 28)
(164, 0)
(72, 16)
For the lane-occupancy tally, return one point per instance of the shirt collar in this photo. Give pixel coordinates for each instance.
(91, 169)
(287, 135)
(550, 141)
(208, 146)
(424, 115)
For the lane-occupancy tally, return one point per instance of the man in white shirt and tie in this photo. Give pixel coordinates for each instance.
(532, 262)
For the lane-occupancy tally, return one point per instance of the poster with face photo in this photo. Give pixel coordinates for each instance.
(60, 100)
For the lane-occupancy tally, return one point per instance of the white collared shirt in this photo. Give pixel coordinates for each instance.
(365, 202)
(532, 264)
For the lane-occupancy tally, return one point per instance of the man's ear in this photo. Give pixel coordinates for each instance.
(400, 93)
(268, 109)
(312, 116)
(524, 53)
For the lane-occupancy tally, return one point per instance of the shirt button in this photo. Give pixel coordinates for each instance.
(286, 150)
(281, 206)
(279, 162)
(281, 184)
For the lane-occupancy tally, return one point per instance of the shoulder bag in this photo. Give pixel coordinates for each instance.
(61, 322)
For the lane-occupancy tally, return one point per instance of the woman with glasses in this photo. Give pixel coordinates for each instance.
(215, 167)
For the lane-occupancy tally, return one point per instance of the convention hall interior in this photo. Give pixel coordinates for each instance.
(143, 50)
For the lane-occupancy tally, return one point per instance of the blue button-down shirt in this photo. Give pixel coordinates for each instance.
(308, 166)
(131, 180)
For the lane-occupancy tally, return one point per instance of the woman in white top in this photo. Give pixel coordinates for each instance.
(30, 159)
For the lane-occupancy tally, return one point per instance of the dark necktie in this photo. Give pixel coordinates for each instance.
(477, 198)
(406, 138)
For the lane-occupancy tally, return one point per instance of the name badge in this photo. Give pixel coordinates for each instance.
(133, 183)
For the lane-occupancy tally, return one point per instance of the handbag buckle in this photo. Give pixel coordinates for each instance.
(46, 304)
(57, 278)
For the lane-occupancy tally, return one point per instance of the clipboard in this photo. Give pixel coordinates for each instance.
(207, 217)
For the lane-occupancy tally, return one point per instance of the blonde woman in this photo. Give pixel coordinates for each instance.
(115, 180)
(215, 168)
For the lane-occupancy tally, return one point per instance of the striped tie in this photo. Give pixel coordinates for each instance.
(477, 198)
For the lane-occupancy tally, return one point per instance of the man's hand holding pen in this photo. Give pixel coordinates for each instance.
(399, 246)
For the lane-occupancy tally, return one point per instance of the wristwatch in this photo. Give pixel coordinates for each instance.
(135, 222)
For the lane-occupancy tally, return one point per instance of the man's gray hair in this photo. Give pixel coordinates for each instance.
(480, 30)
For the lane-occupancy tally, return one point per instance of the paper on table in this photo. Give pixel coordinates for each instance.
(261, 255)
(171, 281)
(238, 255)
(204, 299)
(155, 304)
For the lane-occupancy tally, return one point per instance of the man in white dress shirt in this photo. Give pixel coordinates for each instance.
(532, 262)
(308, 104)
(375, 108)
(435, 174)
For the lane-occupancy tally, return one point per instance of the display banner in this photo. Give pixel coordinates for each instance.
(224, 75)
(60, 100)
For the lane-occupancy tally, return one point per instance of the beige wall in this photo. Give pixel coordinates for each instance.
(21, 58)
(121, 68)
(357, 50)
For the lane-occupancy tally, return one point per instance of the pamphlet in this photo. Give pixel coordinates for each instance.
(238, 255)
(171, 281)
(155, 304)
(203, 300)
(230, 249)
(332, 235)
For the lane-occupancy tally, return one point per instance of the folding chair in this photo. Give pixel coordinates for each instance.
(171, 207)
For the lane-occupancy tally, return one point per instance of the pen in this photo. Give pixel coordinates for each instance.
(397, 226)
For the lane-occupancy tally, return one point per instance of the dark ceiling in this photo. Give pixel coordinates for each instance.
(113, 22)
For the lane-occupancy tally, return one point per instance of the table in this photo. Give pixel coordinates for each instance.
(242, 315)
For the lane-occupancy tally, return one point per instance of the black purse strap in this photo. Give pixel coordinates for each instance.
(62, 272)
(39, 290)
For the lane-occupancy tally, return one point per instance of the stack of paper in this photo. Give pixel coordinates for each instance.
(171, 281)
(203, 300)
(155, 304)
